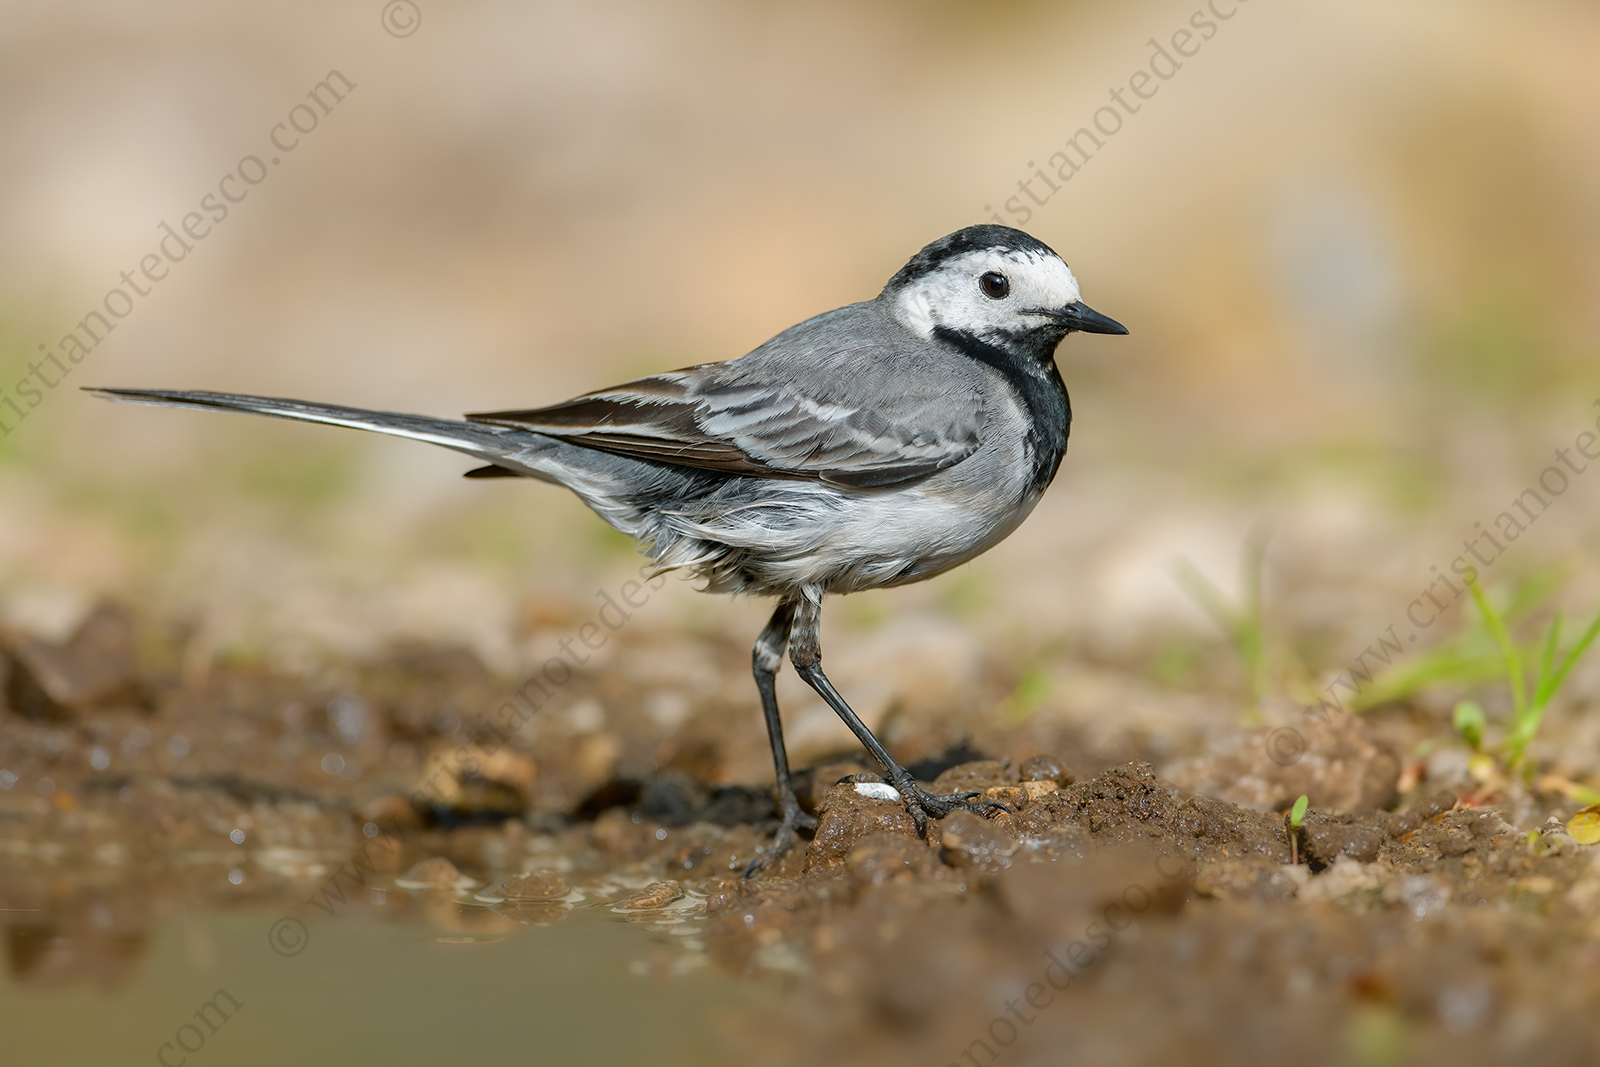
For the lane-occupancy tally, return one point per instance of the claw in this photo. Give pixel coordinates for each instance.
(793, 819)
(919, 803)
(989, 804)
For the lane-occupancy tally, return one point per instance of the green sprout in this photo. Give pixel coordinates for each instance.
(1469, 722)
(1528, 710)
(1296, 818)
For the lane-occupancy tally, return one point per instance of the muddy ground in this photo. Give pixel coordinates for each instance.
(1110, 916)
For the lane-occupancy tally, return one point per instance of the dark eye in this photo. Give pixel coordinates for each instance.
(995, 285)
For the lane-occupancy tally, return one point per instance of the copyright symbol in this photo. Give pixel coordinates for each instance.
(288, 937)
(1285, 746)
(401, 18)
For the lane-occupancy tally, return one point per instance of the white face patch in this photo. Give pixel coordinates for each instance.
(952, 296)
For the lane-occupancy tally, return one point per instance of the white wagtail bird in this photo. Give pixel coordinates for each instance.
(876, 445)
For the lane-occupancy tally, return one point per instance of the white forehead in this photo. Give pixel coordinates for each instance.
(951, 295)
(1041, 279)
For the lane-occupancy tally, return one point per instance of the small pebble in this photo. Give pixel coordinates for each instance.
(435, 872)
(972, 841)
(539, 885)
(1044, 768)
(654, 895)
(1040, 788)
(1012, 796)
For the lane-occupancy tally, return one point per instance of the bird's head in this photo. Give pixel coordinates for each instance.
(997, 285)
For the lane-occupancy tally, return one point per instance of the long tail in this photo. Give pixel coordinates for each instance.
(514, 451)
(471, 438)
(624, 492)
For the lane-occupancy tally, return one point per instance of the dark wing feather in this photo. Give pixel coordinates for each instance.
(815, 403)
(717, 418)
(652, 418)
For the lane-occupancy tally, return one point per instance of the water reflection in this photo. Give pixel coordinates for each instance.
(418, 977)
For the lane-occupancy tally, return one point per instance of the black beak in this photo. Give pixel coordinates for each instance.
(1082, 318)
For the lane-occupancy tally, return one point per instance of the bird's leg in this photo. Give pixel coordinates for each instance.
(805, 652)
(765, 658)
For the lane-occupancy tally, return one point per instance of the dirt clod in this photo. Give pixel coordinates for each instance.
(879, 858)
(1443, 916)
(970, 840)
(1335, 761)
(1326, 836)
(653, 896)
(846, 816)
(97, 665)
(537, 885)
(435, 872)
(974, 777)
(1256, 881)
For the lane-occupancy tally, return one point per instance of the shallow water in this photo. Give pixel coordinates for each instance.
(157, 865)
(366, 990)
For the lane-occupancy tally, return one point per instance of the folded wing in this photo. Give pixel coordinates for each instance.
(856, 423)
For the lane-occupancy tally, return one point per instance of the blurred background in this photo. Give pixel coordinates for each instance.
(1357, 246)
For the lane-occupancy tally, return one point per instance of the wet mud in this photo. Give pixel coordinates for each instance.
(1095, 914)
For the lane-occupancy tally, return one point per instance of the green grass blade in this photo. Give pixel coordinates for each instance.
(1205, 593)
(1240, 624)
(1572, 657)
(1545, 686)
(1460, 662)
(1585, 796)
(1248, 634)
(1508, 651)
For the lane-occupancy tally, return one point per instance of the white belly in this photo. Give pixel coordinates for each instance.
(809, 534)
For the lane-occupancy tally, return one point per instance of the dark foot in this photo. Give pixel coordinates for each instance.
(920, 804)
(793, 820)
